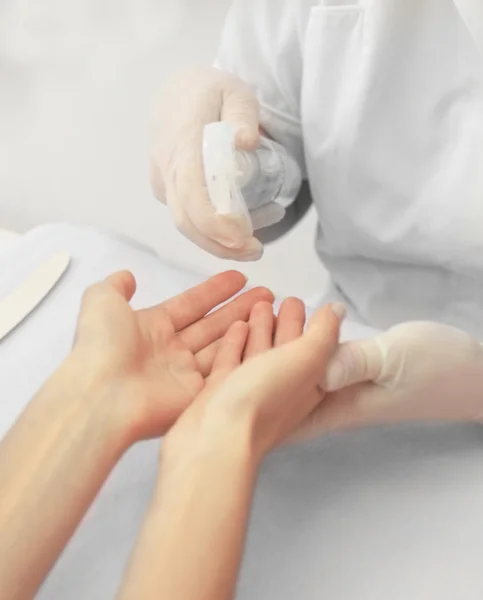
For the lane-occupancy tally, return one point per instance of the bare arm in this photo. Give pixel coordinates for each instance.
(192, 539)
(191, 543)
(52, 464)
(129, 378)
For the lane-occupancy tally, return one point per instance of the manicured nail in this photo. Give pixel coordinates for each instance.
(339, 310)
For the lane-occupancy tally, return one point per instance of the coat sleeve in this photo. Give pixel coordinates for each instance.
(262, 43)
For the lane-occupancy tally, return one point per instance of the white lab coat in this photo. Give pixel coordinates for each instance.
(381, 101)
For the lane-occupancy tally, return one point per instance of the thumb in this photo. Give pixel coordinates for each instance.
(123, 283)
(241, 108)
(319, 343)
(355, 362)
(299, 364)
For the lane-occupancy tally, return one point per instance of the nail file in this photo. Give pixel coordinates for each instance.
(24, 299)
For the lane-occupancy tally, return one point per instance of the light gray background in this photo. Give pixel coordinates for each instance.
(78, 86)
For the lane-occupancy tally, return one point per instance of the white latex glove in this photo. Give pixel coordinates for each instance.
(189, 103)
(413, 372)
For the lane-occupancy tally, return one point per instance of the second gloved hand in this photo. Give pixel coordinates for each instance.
(417, 371)
(190, 102)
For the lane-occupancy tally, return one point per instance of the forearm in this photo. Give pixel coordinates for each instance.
(192, 540)
(52, 464)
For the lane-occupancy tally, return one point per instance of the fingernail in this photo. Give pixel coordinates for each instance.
(229, 241)
(253, 250)
(339, 310)
(257, 255)
(247, 137)
(249, 257)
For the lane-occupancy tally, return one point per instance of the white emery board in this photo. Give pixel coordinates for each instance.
(371, 515)
(19, 303)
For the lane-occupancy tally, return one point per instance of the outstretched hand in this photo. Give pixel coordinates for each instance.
(153, 362)
(267, 379)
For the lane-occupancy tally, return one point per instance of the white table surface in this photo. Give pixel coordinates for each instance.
(7, 236)
(374, 515)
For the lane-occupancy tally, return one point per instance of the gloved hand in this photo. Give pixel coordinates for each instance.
(191, 102)
(413, 372)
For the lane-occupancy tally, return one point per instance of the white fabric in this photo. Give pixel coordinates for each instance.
(382, 102)
(368, 516)
(472, 13)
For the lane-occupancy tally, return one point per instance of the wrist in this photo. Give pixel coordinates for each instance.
(216, 442)
(91, 396)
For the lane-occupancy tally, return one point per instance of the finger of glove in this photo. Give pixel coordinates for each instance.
(267, 215)
(355, 362)
(189, 190)
(240, 107)
(156, 179)
(252, 249)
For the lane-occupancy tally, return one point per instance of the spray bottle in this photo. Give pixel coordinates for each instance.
(258, 185)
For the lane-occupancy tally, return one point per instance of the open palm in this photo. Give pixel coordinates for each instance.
(157, 359)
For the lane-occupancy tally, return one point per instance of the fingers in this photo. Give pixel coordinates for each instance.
(193, 304)
(124, 283)
(307, 357)
(293, 370)
(193, 100)
(261, 324)
(355, 362)
(214, 326)
(240, 107)
(230, 349)
(186, 190)
(265, 331)
(239, 244)
(230, 236)
(186, 187)
(287, 326)
(206, 357)
(290, 321)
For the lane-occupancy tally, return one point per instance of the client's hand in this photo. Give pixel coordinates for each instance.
(191, 542)
(413, 372)
(264, 400)
(129, 376)
(153, 362)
